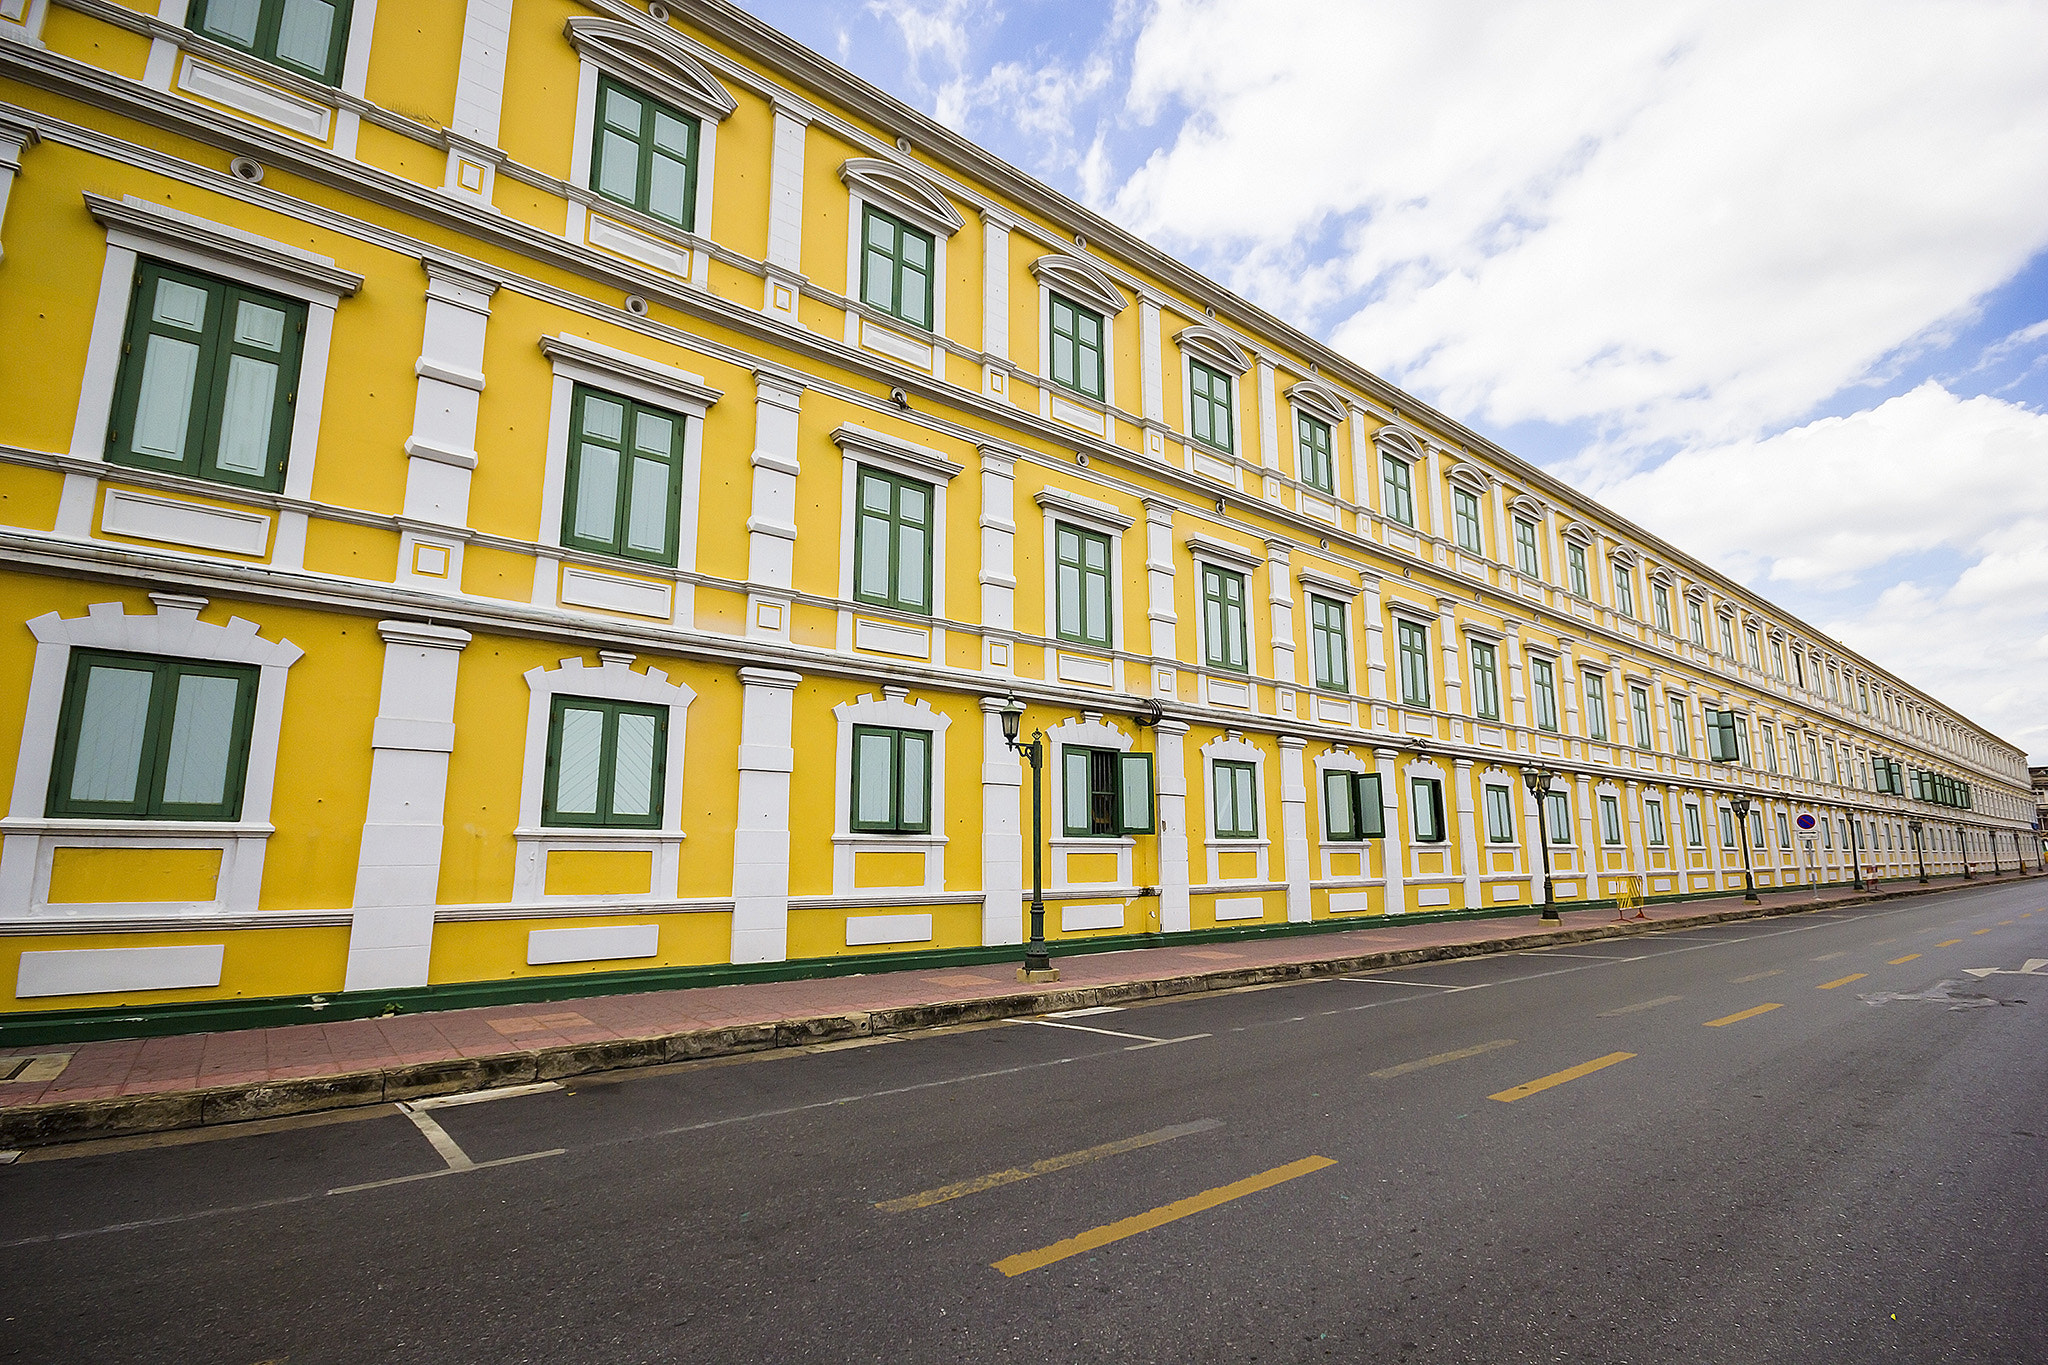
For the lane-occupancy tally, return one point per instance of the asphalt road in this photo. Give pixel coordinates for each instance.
(1810, 1139)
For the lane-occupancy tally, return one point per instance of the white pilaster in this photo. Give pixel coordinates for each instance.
(1447, 640)
(1170, 772)
(781, 288)
(1375, 645)
(1518, 693)
(473, 155)
(441, 452)
(1269, 427)
(999, 560)
(398, 869)
(1151, 362)
(771, 520)
(1280, 608)
(1394, 843)
(1294, 843)
(1002, 838)
(1468, 833)
(995, 302)
(760, 841)
(1159, 604)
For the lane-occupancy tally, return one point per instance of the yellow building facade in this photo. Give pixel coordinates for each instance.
(495, 494)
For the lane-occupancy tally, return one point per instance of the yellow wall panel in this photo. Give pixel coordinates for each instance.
(1344, 865)
(258, 963)
(599, 872)
(81, 38)
(888, 869)
(537, 125)
(414, 57)
(29, 497)
(1237, 866)
(488, 571)
(739, 208)
(495, 950)
(111, 875)
(1091, 868)
(351, 550)
(821, 932)
(400, 154)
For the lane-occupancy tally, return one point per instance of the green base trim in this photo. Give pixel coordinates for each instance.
(44, 1028)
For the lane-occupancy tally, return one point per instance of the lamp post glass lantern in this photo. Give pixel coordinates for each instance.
(1538, 780)
(1740, 806)
(1036, 959)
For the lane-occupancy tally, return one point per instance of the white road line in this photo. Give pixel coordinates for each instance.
(1083, 1028)
(1589, 957)
(1167, 1042)
(1084, 1013)
(437, 1137)
(1419, 985)
(480, 1096)
(452, 1170)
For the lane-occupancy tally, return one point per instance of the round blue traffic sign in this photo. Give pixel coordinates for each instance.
(1806, 822)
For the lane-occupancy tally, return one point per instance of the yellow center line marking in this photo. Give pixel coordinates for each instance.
(1980, 931)
(1948, 943)
(1752, 1012)
(1897, 960)
(926, 1198)
(1758, 976)
(1528, 1088)
(2002, 923)
(1421, 1064)
(1841, 981)
(1159, 1217)
(1639, 1005)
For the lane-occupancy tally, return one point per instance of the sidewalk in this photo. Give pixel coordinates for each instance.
(102, 1089)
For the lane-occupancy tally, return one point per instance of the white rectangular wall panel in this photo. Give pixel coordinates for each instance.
(1241, 907)
(1074, 917)
(592, 943)
(1344, 902)
(176, 522)
(95, 971)
(866, 930)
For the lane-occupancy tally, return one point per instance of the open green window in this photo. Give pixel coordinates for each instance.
(305, 36)
(1351, 806)
(1105, 793)
(149, 738)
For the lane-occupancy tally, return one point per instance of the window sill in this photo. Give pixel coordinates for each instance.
(890, 841)
(599, 834)
(128, 827)
(1092, 843)
(1224, 844)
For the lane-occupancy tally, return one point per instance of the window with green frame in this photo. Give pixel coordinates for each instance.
(896, 267)
(892, 781)
(1695, 837)
(1639, 716)
(892, 542)
(1076, 347)
(305, 36)
(645, 155)
(1210, 420)
(1500, 815)
(1610, 820)
(1560, 808)
(1223, 625)
(146, 738)
(1233, 799)
(1681, 733)
(1397, 487)
(1727, 828)
(1543, 688)
(1698, 622)
(606, 764)
(1328, 643)
(1485, 680)
(1413, 652)
(1660, 602)
(1465, 520)
(1575, 564)
(1105, 793)
(1351, 806)
(1525, 548)
(209, 379)
(622, 488)
(1081, 586)
(1624, 590)
(1653, 822)
(1312, 459)
(1596, 703)
(1426, 810)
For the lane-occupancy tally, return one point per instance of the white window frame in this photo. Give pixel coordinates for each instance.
(1087, 283)
(901, 193)
(139, 230)
(657, 63)
(893, 710)
(1224, 353)
(1316, 399)
(1085, 514)
(862, 446)
(1311, 583)
(1221, 554)
(614, 679)
(262, 90)
(32, 838)
(1232, 747)
(1340, 759)
(1090, 731)
(576, 360)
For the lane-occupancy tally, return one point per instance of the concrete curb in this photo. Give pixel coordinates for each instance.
(125, 1115)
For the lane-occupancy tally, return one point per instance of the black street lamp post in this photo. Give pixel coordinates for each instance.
(1740, 805)
(1855, 851)
(1036, 959)
(1963, 848)
(1538, 780)
(1997, 865)
(1919, 853)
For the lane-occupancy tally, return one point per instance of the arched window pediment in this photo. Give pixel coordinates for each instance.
(1470, 475)
(1214, 346)
(653, 60)
(890, 186)
(1319, 398)
(1081, 280)
(1399, 442)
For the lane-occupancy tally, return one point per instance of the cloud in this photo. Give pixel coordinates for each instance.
(1679, 222)
(1823, 517)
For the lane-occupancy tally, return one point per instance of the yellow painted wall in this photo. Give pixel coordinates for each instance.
(414, 57)
(29, 497)
(818, 932)
(113, 875)
(82, 38)
(258, 963)
(495, 950)
(599, 872)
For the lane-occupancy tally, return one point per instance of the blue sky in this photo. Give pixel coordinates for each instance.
(1769, 278)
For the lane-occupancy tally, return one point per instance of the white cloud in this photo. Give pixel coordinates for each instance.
(1919, 484)
(1685, 221)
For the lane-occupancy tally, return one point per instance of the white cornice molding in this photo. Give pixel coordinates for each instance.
(1099, 515)
(653, 59)
(601, 363)
(1081, 279)
(1213, 345)
(1223, 552)
(156, 225)
(902, 192)
(865, 442)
